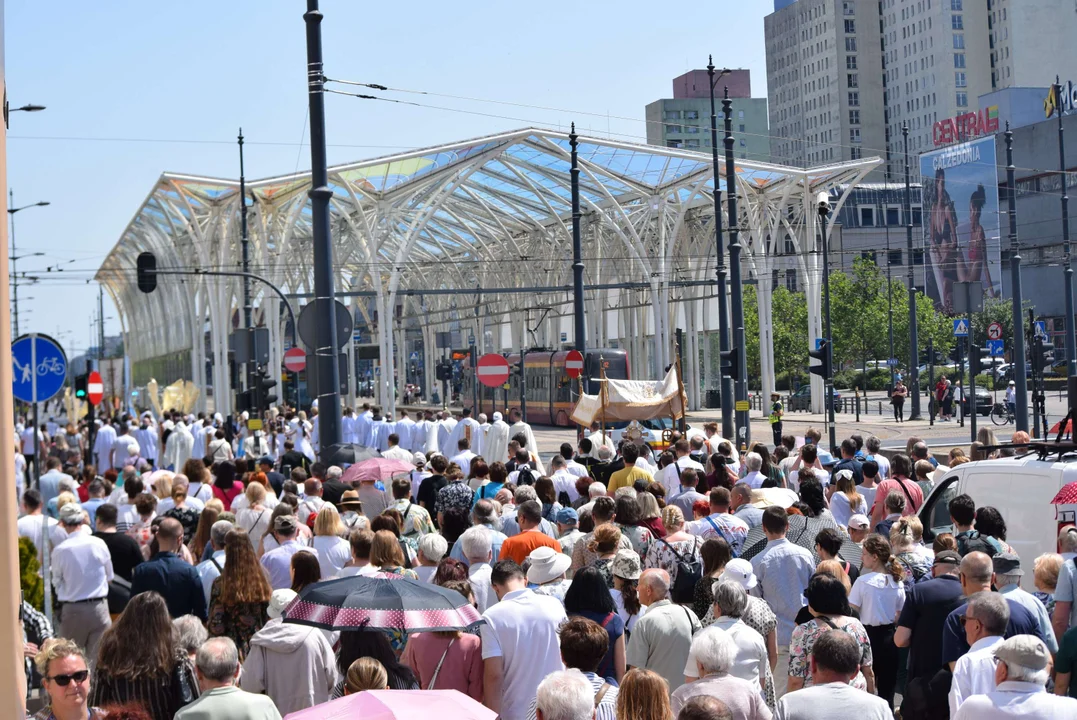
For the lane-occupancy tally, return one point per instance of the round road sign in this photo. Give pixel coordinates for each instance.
(95, 388)
(994, 331)
(574, 364)
(40, 368)
(493, 370)
(295, 360)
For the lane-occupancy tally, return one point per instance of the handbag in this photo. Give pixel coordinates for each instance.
(181, 687)
(434, 677)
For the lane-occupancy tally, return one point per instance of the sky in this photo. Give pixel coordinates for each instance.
(134, 89)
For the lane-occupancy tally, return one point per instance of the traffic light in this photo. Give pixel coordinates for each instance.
(443, 371)
(1042, 354)
(80, 386)
(147, 272)
(976, 356)
(823, 356)
(244, 401)
(729, 362)
(264, 382)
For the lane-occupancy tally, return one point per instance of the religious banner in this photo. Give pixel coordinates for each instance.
(623, 400)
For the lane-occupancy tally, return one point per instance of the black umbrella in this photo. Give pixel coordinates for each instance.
(802, 531)
(344, 454)
(384, 601)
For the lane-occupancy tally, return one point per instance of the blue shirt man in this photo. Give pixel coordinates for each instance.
(170, 576)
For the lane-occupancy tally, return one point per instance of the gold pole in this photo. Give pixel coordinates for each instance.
(680, 392)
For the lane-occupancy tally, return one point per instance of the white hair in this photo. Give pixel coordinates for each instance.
(566, 695)
(476, 544)
(524, 493)
(433, 547)
(596, 490)
(625, 492)
(1067, 539)
(1004, 580)
(1020, 673)
(333, 473)
(605, 454)
(714, 650)
(754, 461)
(657, 580)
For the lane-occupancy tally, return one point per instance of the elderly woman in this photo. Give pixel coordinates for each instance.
(677, 546)
(1047, 567)
(66, 678)
(715, 654)
(750, 662)
(190, 634)
(651, 515)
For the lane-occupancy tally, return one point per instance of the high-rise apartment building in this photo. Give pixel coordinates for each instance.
(683, 121)
(936, 66)
(824, 81)
(1030, 40)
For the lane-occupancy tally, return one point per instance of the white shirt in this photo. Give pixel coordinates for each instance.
(278, 564)
(106, 436)
(28, 441)
(751, 657)
(522, 631)
(671, 479)
(208, 572)
(478, 574)
(121, 449)
(365, 571)
(464, 461)
(168, 503)
(564, 481)
(311, 505)
(974, 673)
(629, 620)
(30, 526)
(574, 468)
(147, 442)
(1012, 699)
(879, 597)
(81, 569)
(396, 452)
(794, 477)
(333, 554)
(755, 479)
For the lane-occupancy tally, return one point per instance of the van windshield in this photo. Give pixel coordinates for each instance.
(935, 514)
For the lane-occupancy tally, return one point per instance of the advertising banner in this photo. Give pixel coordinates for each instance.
(961, 219)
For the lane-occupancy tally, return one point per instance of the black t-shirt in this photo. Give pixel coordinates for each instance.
(125, 552)
(428, 492)
(293, 459)
(927, 605)
(851, 464)
(276, 481)
(602, 471)
(332, 490)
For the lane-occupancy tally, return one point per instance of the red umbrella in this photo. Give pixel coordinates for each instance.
(377, 468)
(1067, 495)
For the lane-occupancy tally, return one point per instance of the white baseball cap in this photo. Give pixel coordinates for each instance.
(740, 571)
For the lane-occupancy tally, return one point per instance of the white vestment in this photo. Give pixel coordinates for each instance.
(445, 428)
(496, 446)
(178, 448)
(532, 446)
(467, 427)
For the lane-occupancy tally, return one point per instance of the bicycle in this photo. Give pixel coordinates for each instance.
(51, 364)
(1000, 414)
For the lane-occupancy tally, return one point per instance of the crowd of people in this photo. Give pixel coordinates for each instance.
(614, 582)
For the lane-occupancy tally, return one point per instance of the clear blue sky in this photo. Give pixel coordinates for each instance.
(198, 70)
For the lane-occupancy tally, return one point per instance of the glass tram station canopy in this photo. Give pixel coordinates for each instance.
(419, 235)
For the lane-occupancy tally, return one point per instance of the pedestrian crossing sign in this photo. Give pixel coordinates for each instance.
(961, 327)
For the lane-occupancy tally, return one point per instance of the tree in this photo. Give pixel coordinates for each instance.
(790, 331)
(858, 312)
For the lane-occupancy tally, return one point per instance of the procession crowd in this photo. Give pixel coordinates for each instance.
(614, 582)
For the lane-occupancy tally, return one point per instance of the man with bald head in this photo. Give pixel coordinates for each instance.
(663, 636)
(169, 575)
(976, 572)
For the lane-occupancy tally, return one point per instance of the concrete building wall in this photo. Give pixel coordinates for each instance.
(686, 124)
(1032, 41)
(696, 84)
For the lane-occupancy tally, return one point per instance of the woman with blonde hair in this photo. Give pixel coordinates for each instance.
(1047, 567)
(651, 515)
(905, 537)
(643, 695)
(846, 501)
(239, 598)
(366, 673)
(333, 551)
(668, 552)
(605, 542)
(254, 518)
(879, 595)
(162, 485)
(834, 569)
(66, 680)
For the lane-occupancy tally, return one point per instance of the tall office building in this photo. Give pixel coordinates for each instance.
(824, 81)
(1029, 40)
(683, 121)
(937, 63)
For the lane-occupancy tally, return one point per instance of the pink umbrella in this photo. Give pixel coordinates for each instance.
(377, 468)
(399, 705)
(1067, 495)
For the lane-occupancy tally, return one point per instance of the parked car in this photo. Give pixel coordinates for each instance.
(801, 399)
(984, 402)
(652, 431)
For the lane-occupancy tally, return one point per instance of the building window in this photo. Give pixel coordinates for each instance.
(673, 129)
(959, 60)
(691, 129)
(854, 99)
(893, 216)
(867, 217)
(850, 62)
(962, 99)
(694, 114)
(853, 80)
(674, 143)
(789, 248)
(850, 44)
(956, 22)
(693, 143)
(742, 128)
(856, 153)
(959, 42)
(854, 117)
(791, 280)
(847, 8)
(893, 257)
(955, 5)
(854, 135)
(740, 114)
(959, 80)
(672, 115)
(917, 256)
(850, 26)
(917, 218)
(869, 255)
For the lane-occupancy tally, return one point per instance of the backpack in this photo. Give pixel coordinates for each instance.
(973, 542)
(525, 476)
(689, 572)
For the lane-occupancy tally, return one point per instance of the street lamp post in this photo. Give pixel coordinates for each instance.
(1015, 289)
(726, 395)
(1067, 261)
(914, 341)
(11, 210)
(890, 310)
(736, 287)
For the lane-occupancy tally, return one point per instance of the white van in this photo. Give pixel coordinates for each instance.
(1021, 488)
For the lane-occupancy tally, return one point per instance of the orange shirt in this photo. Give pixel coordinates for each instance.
(518, 547)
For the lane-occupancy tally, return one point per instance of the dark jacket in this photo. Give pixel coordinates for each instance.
(176, 581)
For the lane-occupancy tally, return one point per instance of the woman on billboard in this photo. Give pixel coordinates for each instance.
(944, 251)
(975, 265)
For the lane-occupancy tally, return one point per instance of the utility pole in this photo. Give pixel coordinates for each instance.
(248, 324)
(1015, 285)
(579, 327)
(828, 388)
(914, 343)
(726, 383)
(1067, 262)
(328, 390)
(744, 427)
(890, 311)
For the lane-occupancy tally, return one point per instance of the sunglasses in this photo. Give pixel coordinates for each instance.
(965, 619)
(64, 680)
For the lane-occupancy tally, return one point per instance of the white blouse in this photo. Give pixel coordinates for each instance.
(879, 597)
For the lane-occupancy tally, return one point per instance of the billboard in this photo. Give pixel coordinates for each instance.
(961, 219)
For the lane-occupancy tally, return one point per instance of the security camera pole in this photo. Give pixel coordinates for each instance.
(823, 201)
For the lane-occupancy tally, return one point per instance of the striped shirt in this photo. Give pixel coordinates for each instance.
(161, 696)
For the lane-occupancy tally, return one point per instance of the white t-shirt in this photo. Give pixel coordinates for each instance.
(839, 508)
(794, 477)
(28, 441)
(30, 527)
(879, 597)
(121, 449)
(333, 554)
(751, 657)
(522, 631)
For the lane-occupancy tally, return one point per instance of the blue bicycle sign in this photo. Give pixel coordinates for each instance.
(39, 368)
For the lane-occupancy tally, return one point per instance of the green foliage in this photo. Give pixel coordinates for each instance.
(33, 587)
(790, 320)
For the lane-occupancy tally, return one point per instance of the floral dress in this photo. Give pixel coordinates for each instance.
(605, 568)
(188, 518)
(663, 554)
(555, 589)
(639, 536)
(917, 568)
(803, 641)
(239, 622)
(759, 617)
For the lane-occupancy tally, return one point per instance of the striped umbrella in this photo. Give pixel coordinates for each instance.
(384, 601)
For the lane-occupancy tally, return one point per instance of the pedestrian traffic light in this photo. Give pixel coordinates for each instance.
(730, 363)
(823, 356)
(976, 356)
(147, 272)
(80, 386)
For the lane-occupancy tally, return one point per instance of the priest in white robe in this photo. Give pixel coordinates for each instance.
(519, 427)
(178, 448)
(405, 430)
(467, 427)
(496, 443)
(445, 428)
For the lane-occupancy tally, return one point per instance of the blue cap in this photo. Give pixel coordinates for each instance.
(265, 460)
(567, 516)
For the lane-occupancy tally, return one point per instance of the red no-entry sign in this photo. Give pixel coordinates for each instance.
(493, 370)
(295, 360)
(95, 388)
(574, 364)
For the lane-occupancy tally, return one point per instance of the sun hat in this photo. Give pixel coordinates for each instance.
(278, 601)
(626, 565)
(740, 571)
(546, 565)
(349, 500)
(419, 459)
(859, 522)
